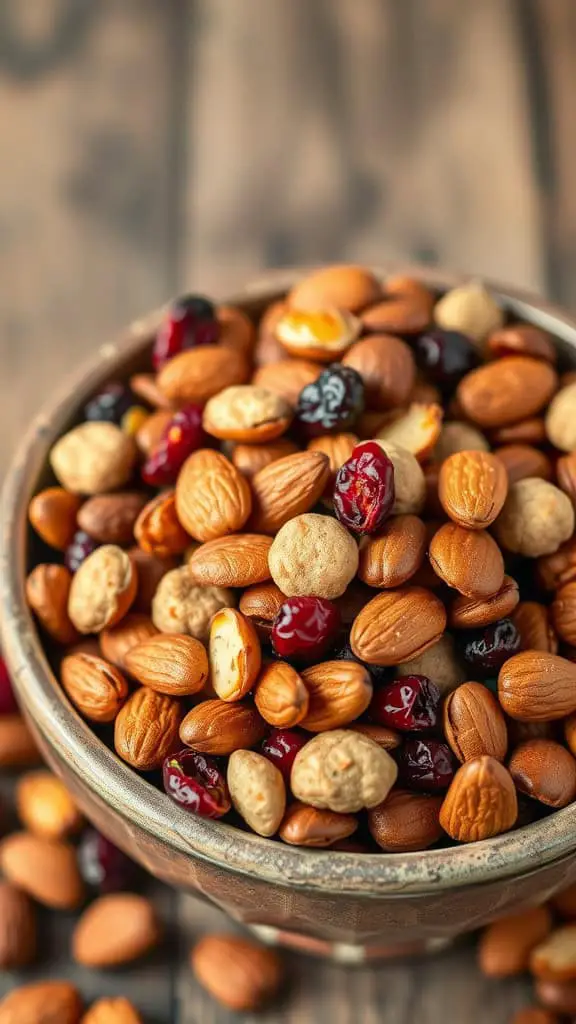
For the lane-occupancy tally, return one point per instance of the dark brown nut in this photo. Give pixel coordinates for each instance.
(468, 560)
(532, 620)
(570, 732)
(249, 459)
(102, 589)
(505, 945)
(286, 377)
(352, 601)
(558, 996)
(537, 518)
(303, 825)
(152, 430)
(158, 530)
(391, 557)
(146, 729)
(564, 903)
(545, 771)
(519, 732)
(566, 475)
(523, 460)
(261, 604)
(17, 744)
(252, 977)
(281, 696)
(247, 413)
(522, 340)
(343, 286)
(96, 688)
(169, 663)
(474, 724)
(338, 691)
(473, 612)
(554, 959)
(47, 593)
(406, 309)
(385, 738)
(116, 642)
(53, 513)
(387, 368)
(199, 373)
(216, 727)
(406, 822)
(480, 803)
(553, 571)
(110, 518)
(535, 686)
(563, 613)
(397, 625)
(472, 488)
(236, 330)
(527, 431)
(18, 938)
(506, 391)
(150, 569)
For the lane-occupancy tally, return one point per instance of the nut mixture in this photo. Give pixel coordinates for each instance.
(326, 565)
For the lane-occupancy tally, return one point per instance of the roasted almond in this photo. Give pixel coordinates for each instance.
(281, 695)
(158, 530)
(239, 560)
(18, 937)
(473, 612)
(235, 656)
(146, 729)
(46, 869)
(505, 945)
(523, 460)
(212, 498)
(345, 286)
(535, 686)
(339, 691)
(480, 803)
(385, 738)
(110, 518)
(47, 593)
(532, 620)
(563, 613)
(112, 1011)
(397, 625)
(247, 413)
(406, 308)
(152, 430)
(528, 431)
(387, 368)
(303, 825)
(472, 488)
(286, 488)
(417, 429)
(252, 977)
(17, 744)
(236, 330)
(545, 771)
(117, 641)
(42, 1002)
(390, 557)
(554, 570)
(506, 391)
(53, 513)
(261, 604)
(102, 589)
(45, 806)
(96, 688)
(145, 385)
(169, 663)
(474, 724)
(115, 930)
(554, 959)
(338, 448)
(287, 377)
(215, 727)
(522, 339)
(249, 459)
(468, 560)
(199, 373)
(406, 822)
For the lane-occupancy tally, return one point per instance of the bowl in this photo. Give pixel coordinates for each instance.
(343, 904)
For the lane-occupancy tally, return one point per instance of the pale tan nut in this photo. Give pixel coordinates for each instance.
(563, 613)
(102, 589)
(287, 488)
(480, 803)
(252, 976)
(94, 458)
(152, 430)
(535, 686)
(261, 604)
(216, 727)
(146, 729)
(458, 436)
(239, 560)
(561, 419)
(417, 429)
(387, 367)
(112, 1011)
(150, 569)
(406, 307)
(505, 945)
(116, 642)
(45, 869)
(472, 488)
(247, 413)
(52, 512)
(409, 482)
(339, 692)
(474, 724)
(523, 460)
(18, 931)
(41, 1002)
(439, 662)
(303, 825)
(554, 959)
(110, 518)
(45, 806)
(470, 561)
(257, 790)
(235, 655)
(406, 822)
(470, 309)
(212, 498)
(249, 459)
(281, 695)
(390, 557)
(48, 592)
(323, 334)
(473, 612)
(158, 530)
(115, 929)
(180, 605)
(197, 374)
(286, 377)
(170, 663)
(343, 771)
(338, 448)
(545, 771)
(536, 519)
(506, 391)
(313, 555)
(17, 744)
(397, 625)
(344, 286)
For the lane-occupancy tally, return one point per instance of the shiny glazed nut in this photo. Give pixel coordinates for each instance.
(115, 930)
(474, 724)
(252, 977)
(522, 340)
(110, 518)
(181, 605)
(472, 612)
(397, 625)
(468, 560)
(93, 458)
(158, 530)
(561, 419)
(287, 488)
(536, 519)
(257, 790)
(212, 498)
(45, 869)
(523, 460)
(116, 642)
(112, 1011)
(563, 613)
(390, 557)
(417, 429)
(545, 771)
(472, 488)
(47, 593)
(96, 688)
(261, 604)
(309, 826)
(532, 620)
(406, 309)
(102, 589)
(387, 368)
(247, 413)
(342, 771)
(286, 377)
(339, 692)
(409, 482)
(470, 309)
(313, 555)
(249, 459)
(480, 803)
(18, 932)
(535, 686)
(42, 1001)
(45, 806)
(322, 334)
(53, 513)
(215, 727)
(281, 696)
(239, 560)
(406, 822)
(146, 729)
(439, 662)
(199, 373)
(506, 391)
(554, 959)
(457, 436)
(505, 945)
(343, 286)
(170, 663)
(235, 656)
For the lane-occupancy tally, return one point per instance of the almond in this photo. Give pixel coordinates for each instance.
(257, 790)
(53, 513)
(169, 663)
(473, 612)
(247, 413)
(158, 530)
(505, 945)
(215, 727)
(303, 825)
(146, 729)
(468, 560)
(102, 589)
(480, 803)
(506, 391)
(529, 431)
(110, 518)
(339, 691)
(522, 339)
(48, 593)
(385, 738)
(345, 286)
(235, 656)
(535, 686)
(239, 560)
(566, 474)
(42, 1002)
(338, 448)
(18, 938)
(281, 696)
(554, 959)
(390, 557)
(406, 822)
(559, 997)
(397, 625)
(46, 869)
(472, 488)
(152, 430)
(554, 570)
(387, 368)
(563, 613)
(249, 459)
(287, 377)
(252, 977)
(212, 498)
(417, 429)
(17, 744)
(117, 641)
(406, 309)
(199, 373)
(532, 620)
(115, 930)
(261, 604)
(145, 385)
(523, 460)
(545, 771)
(112, 1011)
(287, 488)
(96, 688)
(236, 330)
(474, 724)
(45, 806)
(150, 570)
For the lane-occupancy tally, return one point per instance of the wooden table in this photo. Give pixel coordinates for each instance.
(154, 145)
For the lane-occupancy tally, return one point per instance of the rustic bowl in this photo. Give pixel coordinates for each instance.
(343, 904)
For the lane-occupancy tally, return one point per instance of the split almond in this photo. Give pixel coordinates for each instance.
(480, 803)
(322, 334)
(247, 413)
(169, 663)
(287, 488)
(390, 557)
(397, 625)
(239, 560)
(468, 560)
(472, 488)
(554, 959)
(96, 688)
(417, 430)
(281, 695)
(212, 498)
(235, 656)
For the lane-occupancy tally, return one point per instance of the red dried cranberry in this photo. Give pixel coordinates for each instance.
(486, 650)
(196, 783)
(78, 549)
(7, 699)
(364, 489)
(424, 764)
(408, 704)
(110, 404)
(190, 322)
(445, 356)
(281, 747)
(332, 402)
(183, 435)
(102, 865)
(305, 628)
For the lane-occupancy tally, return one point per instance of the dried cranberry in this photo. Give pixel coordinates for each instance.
(7, 699)
(78, 549)
(102, 865)
(445, 356)
(183, 435)
(196, 783)
(332, 402)
(110, 404)
(409, 704)
(364, 491)
(424, 764)
(191, 321)
(486, 650)
(305, 628)
(281, 747)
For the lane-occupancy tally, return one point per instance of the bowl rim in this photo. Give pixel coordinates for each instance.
(136, 800)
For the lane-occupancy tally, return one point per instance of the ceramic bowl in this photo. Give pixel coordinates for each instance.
(347, 905)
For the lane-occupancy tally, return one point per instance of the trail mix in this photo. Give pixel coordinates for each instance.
(317, 574)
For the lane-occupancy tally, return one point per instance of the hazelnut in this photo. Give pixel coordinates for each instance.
(536, 519)
(343, 771)
(561, 419)
(93, 458)
(313, 555)
(181, 606)
(409, 480)
(470, 309)
(458, 436)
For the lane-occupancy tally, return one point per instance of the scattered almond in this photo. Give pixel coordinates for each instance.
(45, 806)
(252, 976)
(45, 869)
(115, 930)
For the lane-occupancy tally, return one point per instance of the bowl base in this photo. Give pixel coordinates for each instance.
(343, 952)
